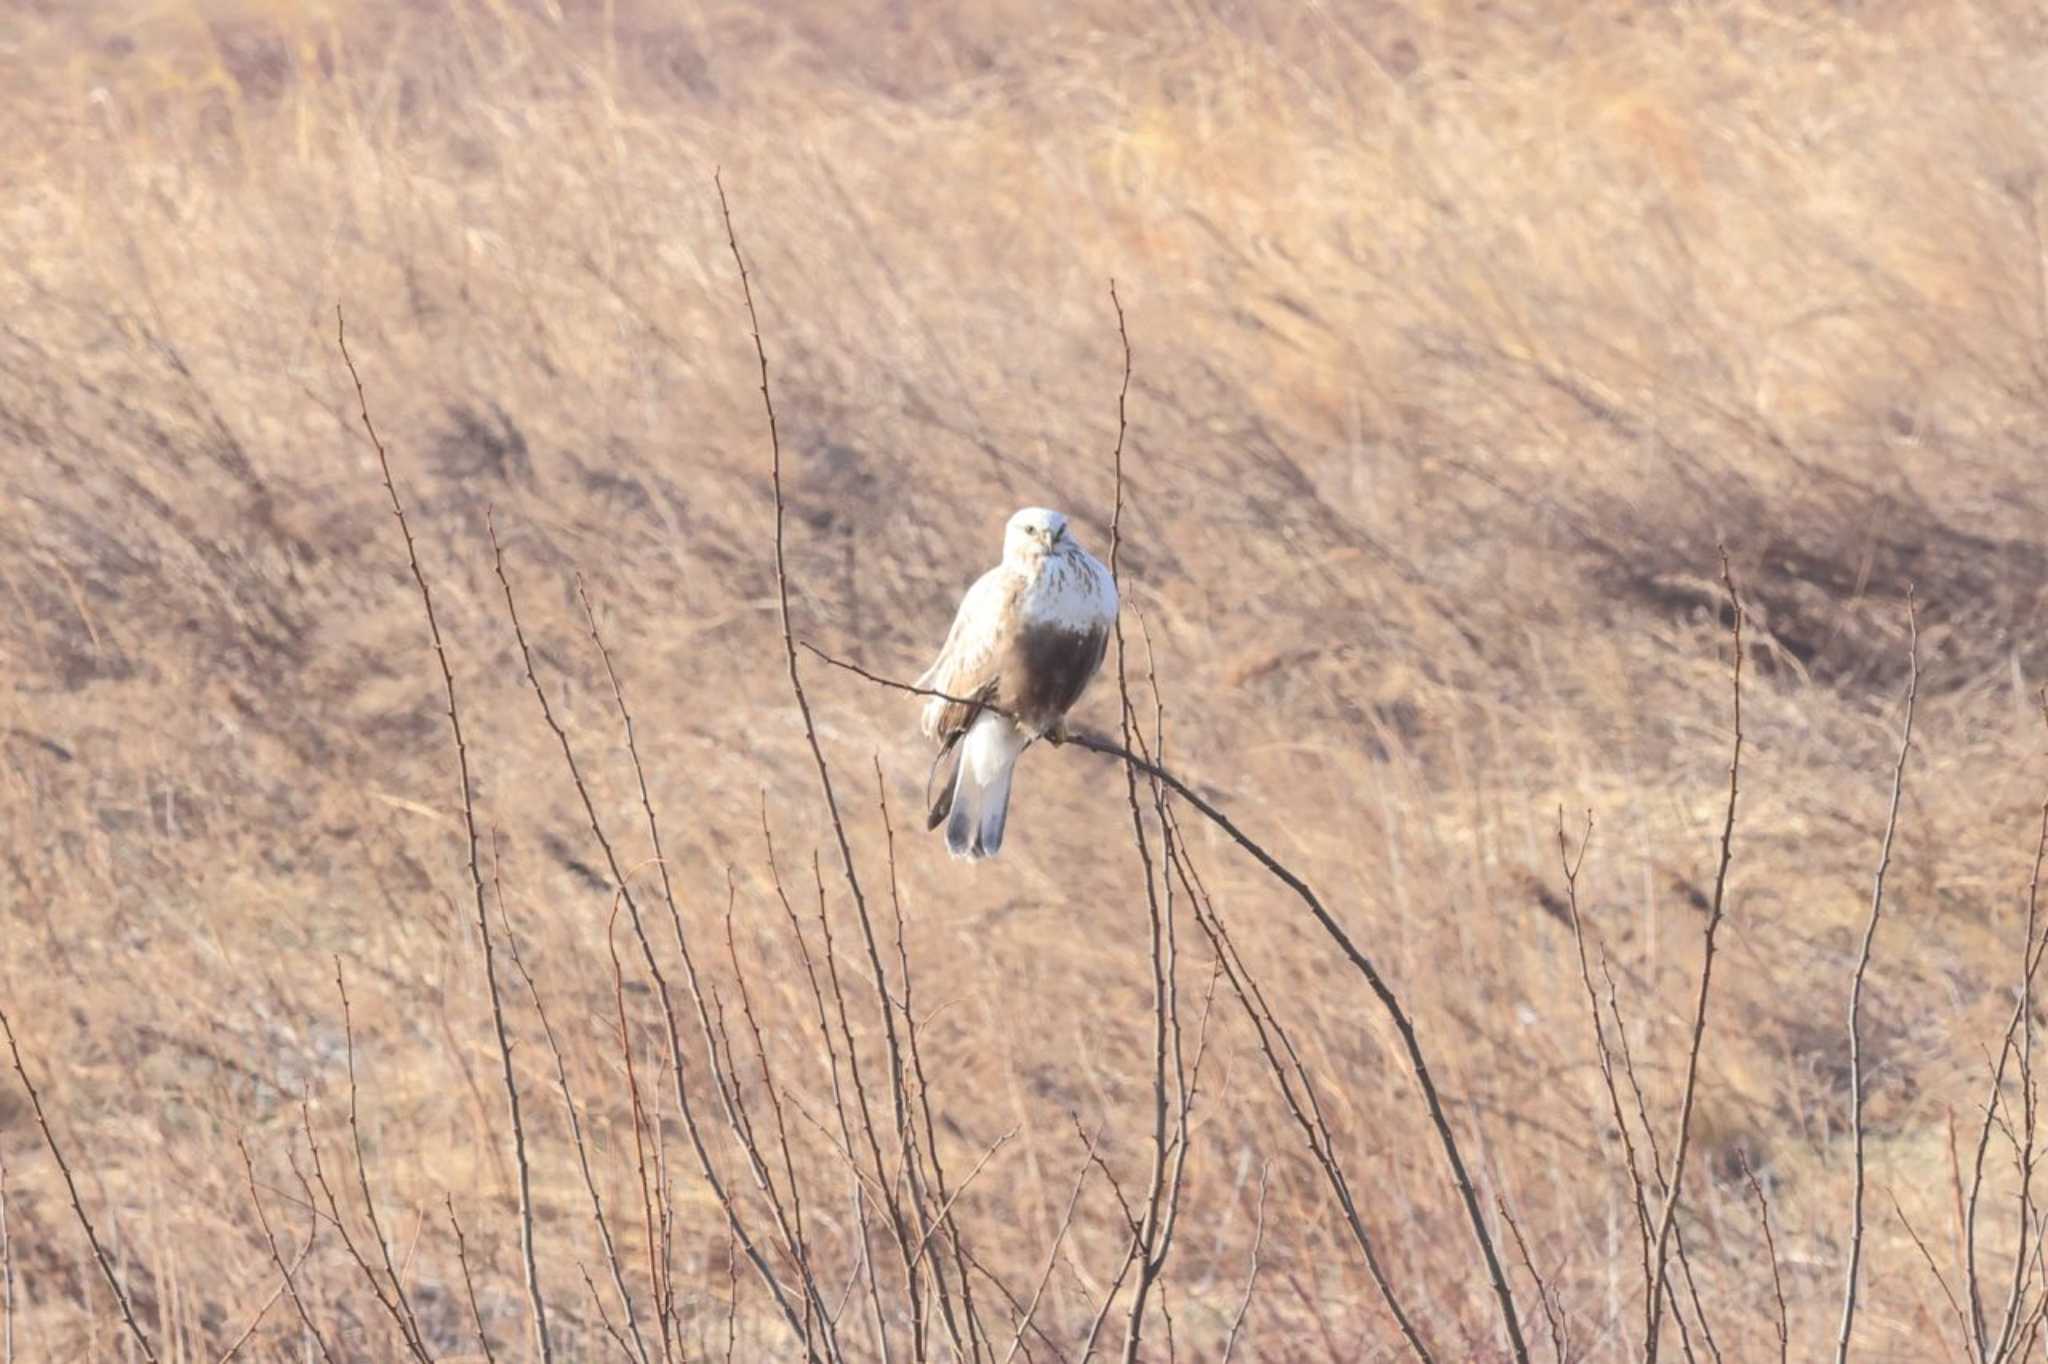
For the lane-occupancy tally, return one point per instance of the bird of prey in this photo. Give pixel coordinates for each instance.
(1029, 636)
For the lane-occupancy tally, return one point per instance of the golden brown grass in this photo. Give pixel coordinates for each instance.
(1461, 341)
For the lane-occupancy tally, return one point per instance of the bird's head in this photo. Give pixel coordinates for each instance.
(1034, 533)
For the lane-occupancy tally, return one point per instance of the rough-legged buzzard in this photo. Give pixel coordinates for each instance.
(1029, 636)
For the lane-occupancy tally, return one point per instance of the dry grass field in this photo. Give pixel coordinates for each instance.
(1462, 337)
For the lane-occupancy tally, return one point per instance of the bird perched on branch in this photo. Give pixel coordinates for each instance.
(1028, 638)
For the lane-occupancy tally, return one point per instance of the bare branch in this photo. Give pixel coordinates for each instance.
(1553, 1316)
(686, 1107)
(476, 1314)
(7, 1275)
(1884, 861)
(2019, 1024)
(921, 1119)
(2024, 1145)
(235, 1347)
(1932, 1267)
(597, 1213)
(603, 1317)
(803, 706)
(1389, 1001)
(398, 1308)
(1669, 1217)
(1297, 1091)
(1601, 1050)
(1251, 1278)
(77, 1207)
(277, 1257)
(1146, 1250)
(476, 878)
(1763, 1217)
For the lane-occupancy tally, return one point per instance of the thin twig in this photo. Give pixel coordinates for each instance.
(1186, 1077)
(476, 877)
(1552, 1316)
(6, 1274)
(1602, 1051)
(291, 1285)
(885, 1184)
(1052, 1257)
(1932, 1267)
(77, 1206)
(1884, 861)
(732, 1290)
(604, 1318)
(769, 1086)
(604, 1228)
(1016, 1305)
(2035, 949)
(1649, 1131)
(235, 1347)
(922, 1121)
(1763, 1217)
(998, 1144)
(476, 1313)
(1251, 1278)
(1145, 1248)
(637, 1115)
(1669, 1217)
(398, 1309)
(2016, 1321)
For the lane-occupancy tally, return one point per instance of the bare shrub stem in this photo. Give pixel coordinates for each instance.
(77, 1206)
(1602, 1050)
(2016, 1042)
(686, 1108)
(6, 1275)
(288, 1272)
(1389, 1001)
(903, 1231)
(535, 1301)
(1669, 1217)
(1884, 861)
(397, 1305)
(597, 1212)
(1251, 1278)
(476, 1314)
(1052, 1258)
(1763, 1217)
(1297, 1090)
(1149, 1246)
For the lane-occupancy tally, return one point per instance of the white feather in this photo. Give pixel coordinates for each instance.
(1071, 590)
(981, 790)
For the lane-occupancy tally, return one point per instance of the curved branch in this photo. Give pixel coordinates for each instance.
(1381, 990)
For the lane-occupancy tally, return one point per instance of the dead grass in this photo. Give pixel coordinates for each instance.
(1461, 341)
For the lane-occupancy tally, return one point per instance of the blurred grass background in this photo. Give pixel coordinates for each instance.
(1463, 335)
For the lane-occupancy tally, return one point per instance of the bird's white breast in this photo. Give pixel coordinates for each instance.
(1071, 591)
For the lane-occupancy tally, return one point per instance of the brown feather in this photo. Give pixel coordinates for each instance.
(969, 665)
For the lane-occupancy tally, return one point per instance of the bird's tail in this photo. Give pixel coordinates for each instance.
(977, 804)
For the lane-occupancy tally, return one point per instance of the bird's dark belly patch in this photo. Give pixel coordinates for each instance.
(1048, 670)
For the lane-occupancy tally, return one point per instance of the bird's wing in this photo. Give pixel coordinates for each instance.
(968, 663)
